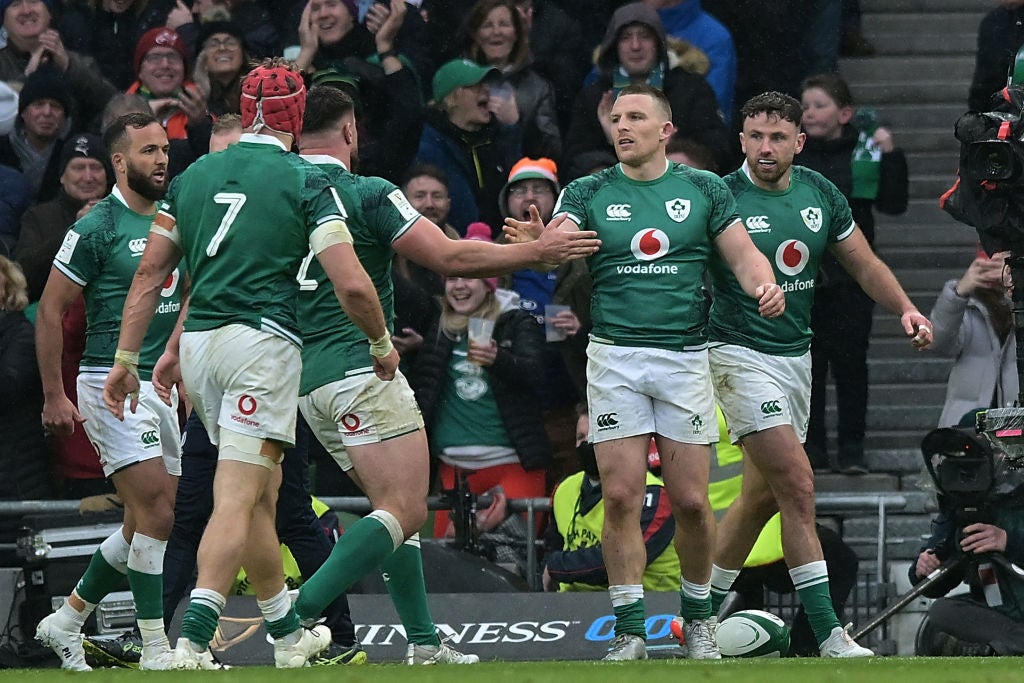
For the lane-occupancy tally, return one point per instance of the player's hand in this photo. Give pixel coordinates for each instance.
(927, 562)
(386, 367)
(409, 341)
(918, 328)
(482, 354)
(60, 416)
(771, 300)
(983, 538)
(167, 376)
(559, 245)
(527, 231)
(119, 386)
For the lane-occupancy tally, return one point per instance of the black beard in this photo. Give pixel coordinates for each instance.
(143, 185)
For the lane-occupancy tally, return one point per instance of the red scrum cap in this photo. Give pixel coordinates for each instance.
(273, 97)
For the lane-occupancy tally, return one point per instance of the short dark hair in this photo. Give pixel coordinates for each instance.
(430, 170)
(833, 85)
(325, 106)
(700, 155)
(116, 134)
(773, 104)
(654, 93)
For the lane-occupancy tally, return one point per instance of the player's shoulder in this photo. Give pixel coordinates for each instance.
(801, 175)
(101, 218)
(707, 182)
(588, 185)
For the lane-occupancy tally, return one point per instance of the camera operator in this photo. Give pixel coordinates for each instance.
(990, 619)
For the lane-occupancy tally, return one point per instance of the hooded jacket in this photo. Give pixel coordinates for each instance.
(695, 111)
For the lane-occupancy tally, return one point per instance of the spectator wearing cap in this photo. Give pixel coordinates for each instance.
(85, 178)
(462, 137)
(109, 30)
(635, 50)
(479, 401)
(494, 35)
(44, 120)
(367, 66)
(534, 182)
(221, 65)
(32, 44)
(160, 62)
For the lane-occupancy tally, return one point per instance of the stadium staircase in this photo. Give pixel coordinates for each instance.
(918, 81)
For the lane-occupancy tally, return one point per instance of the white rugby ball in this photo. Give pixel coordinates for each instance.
(752, 633)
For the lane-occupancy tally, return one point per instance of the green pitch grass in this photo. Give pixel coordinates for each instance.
(879, 670)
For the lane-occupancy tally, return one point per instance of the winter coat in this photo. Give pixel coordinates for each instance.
(984, 366)
(24, 457)
(477, 164)
(42, 231)
(514, 377)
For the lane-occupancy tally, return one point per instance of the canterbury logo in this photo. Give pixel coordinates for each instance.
(618, 212)
(150, 438)
(758, 223)
(137, 246)
(771, 408)
(608, 421)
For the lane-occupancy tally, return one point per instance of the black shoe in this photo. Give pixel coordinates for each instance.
(851, 458)
(123, 651)
(340, 655)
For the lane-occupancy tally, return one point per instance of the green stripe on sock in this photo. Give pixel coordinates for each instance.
(199, 623)
(630, 619)
(99, 579)
(694, 608)
(148, 590)
(282, 627)
(818, 605)
(404, 578)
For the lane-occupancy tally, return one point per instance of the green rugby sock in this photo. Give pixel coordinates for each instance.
(403, 575)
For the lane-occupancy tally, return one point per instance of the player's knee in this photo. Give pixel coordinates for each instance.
(621, 499)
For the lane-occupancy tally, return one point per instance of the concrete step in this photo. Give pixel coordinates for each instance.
(925, 255)
(905, 461)
(889, 40)
(898, 407)
(890, 233)
(929, 139)
(910, 67)
(896, 370)
(906, 119)
(912, 90)
(935, 163)
(925, 210)
(930, 185)
(877, 438)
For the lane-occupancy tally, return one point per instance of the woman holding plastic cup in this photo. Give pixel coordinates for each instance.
(476, 380)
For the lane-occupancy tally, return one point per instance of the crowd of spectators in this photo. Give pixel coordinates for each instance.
(478, 109)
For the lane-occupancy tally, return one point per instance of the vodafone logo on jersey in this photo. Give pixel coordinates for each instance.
(649, 244)
(791, 257)
(171, 283)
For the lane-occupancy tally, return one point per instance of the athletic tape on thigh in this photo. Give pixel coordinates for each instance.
(244, 448)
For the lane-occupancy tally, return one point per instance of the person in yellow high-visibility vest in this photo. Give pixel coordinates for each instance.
(765, 566)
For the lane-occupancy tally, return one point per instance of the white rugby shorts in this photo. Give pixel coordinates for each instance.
(150, 432)
(243, 380)
(634, 390)
(359, 410)
(757, 391)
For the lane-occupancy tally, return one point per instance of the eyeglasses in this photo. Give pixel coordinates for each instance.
(223, 44)
(157, 57)
(536, 189)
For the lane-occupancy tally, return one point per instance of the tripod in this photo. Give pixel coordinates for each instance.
(953, 564)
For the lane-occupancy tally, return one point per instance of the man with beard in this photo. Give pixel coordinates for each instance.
(239, 344)
(647, 371)
(141, 454)
(361, 421)
(762, 368)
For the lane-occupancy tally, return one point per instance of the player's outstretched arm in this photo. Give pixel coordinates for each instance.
(560, 241)
(358, 297)
(877, 280)
(752, 269)
(158, 260)
(59, 413)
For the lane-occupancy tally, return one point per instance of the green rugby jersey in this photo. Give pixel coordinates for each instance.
(656, 239)
(378, 214)
(793, 228)
(244, 216)
(101, 253)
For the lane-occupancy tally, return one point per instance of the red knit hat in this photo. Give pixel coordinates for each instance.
(273, 97)
(161, 36)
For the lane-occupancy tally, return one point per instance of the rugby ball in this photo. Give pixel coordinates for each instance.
(752, 633)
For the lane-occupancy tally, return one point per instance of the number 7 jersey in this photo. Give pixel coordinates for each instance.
(243, 220)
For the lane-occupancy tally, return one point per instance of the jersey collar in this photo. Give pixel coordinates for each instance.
(258, 139)
(323, 160)
(116, 193)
